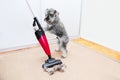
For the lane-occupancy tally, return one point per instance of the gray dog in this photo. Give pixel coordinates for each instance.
(55, 26)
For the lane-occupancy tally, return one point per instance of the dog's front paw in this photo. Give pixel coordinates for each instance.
(45, 28)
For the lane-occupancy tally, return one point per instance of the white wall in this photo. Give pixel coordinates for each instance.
(16, 20)
(101, 22)
(16, 23)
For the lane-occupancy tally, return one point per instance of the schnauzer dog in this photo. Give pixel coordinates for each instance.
(56, 27)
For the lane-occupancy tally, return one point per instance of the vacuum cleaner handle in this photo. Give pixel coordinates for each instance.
(38, 24)
(40, 34)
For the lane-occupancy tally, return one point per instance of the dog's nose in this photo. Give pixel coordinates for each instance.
(47, 18)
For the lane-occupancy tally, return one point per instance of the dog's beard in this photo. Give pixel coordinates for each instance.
(50, 21)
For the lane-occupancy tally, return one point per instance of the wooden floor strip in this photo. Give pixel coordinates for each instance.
(106, 51)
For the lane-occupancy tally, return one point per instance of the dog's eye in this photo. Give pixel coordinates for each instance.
(51, 15)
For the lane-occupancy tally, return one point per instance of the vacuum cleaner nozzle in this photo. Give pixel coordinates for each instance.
(51, 62)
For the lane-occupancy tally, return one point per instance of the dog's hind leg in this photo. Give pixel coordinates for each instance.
(63, 49)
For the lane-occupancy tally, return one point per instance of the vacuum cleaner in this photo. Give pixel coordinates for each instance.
(51, 64)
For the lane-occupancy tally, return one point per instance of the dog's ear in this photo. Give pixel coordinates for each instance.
(55, 12)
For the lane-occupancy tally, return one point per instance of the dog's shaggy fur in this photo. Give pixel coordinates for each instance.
(55, 26)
